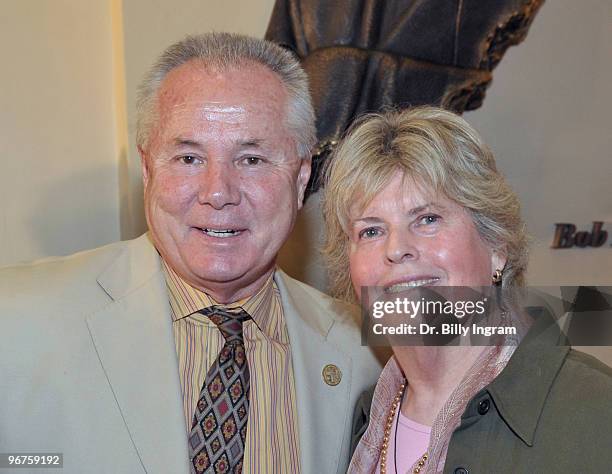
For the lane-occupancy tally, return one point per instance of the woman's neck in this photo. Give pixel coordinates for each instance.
(433, 373)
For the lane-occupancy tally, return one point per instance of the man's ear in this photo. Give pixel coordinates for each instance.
(303, 177)
(144, 166)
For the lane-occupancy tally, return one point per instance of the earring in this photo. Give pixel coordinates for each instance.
(497, 276)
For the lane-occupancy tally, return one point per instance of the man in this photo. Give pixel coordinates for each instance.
(121, 357)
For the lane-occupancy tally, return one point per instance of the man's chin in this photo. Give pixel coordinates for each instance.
(228, 287)
(227, 275)
(220, 277)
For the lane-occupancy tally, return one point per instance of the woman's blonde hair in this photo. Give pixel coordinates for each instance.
(435, 148)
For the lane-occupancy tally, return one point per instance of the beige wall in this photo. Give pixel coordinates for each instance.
(58, 171)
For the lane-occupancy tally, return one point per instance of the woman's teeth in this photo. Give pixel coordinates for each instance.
(398, 287)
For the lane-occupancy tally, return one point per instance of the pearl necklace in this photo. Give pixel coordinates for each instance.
(387, 435)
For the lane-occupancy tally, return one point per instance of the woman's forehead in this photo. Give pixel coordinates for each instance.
(400, 186)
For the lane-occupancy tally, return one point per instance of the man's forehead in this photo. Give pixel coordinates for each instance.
(243, 81)
(249, 97)
(213, 111)
(232, 105)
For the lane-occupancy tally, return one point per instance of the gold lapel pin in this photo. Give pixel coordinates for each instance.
(332, 375)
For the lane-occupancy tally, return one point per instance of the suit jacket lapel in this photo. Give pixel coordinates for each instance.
(134, 341)
(323, 410)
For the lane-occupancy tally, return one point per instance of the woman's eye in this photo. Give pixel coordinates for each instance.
(428, 219)
(369, 233)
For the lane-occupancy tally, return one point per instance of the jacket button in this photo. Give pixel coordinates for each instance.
(483, 406)
(461, 470)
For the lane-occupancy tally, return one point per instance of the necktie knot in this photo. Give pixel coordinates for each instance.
(229, 321)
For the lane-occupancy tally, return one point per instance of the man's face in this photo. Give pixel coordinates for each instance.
(222, 178)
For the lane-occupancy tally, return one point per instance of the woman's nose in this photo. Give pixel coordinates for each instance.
(401, 247)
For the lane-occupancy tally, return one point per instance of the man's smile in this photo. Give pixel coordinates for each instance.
(221, 233)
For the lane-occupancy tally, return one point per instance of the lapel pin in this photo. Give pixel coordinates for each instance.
(332, 375)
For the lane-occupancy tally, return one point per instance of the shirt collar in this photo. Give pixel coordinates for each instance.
(186, 300)
(521, 389)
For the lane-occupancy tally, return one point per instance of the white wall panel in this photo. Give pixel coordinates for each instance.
(58, 173)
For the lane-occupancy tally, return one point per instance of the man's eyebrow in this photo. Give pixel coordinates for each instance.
(251, 143)
(248, 143)
(180, 141)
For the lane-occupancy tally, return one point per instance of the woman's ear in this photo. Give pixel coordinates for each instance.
(498, 260)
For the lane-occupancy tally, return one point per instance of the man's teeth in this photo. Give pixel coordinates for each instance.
(409, 284)
(221, 232)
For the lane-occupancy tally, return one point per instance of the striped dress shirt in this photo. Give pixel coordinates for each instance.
(272, 444)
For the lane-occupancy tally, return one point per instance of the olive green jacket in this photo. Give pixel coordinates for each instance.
(549, 411)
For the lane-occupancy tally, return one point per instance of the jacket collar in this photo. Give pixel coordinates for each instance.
(299, 300)
(521, 389)
(137, 263)
(134, 342)
(313, 347)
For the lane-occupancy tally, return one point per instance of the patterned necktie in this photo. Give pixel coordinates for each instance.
(218, 432)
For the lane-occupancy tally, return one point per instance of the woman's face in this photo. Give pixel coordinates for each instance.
(409, 237)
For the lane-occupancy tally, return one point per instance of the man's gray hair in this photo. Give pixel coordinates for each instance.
(224, 51)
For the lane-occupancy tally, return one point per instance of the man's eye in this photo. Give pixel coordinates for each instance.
(189, 159)
(252, 160)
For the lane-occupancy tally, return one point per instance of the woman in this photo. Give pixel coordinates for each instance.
(414, 199)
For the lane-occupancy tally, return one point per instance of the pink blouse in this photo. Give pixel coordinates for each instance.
(408, 442)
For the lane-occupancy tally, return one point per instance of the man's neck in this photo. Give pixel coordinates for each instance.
(231, 292)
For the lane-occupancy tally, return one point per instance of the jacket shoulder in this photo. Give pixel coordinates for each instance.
(47, 266)
(55, 283)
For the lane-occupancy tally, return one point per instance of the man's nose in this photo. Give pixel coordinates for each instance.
(219, 185)
(401, 247)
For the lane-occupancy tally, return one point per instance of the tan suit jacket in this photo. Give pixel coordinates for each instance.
(88, 365)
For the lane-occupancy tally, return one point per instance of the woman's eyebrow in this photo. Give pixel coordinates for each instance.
(428, 206)
(366, 220)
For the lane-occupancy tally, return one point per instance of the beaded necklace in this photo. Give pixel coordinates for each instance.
(387, 435)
